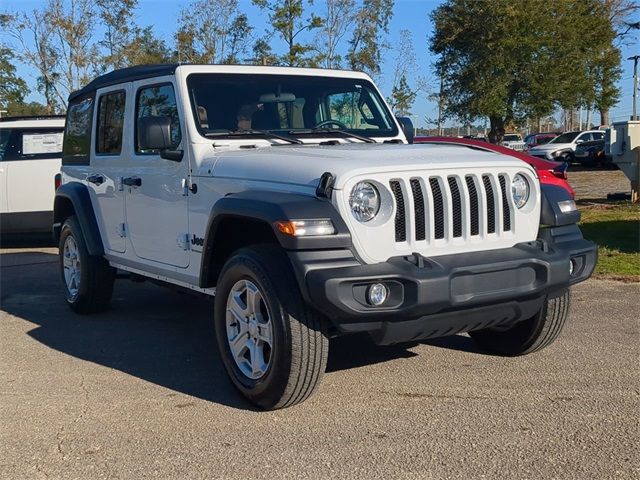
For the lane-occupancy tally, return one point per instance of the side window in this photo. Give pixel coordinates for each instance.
(77, 137)
(30, 144)
(598, 135)
(5, 135)
(158, 101)
(110, 123)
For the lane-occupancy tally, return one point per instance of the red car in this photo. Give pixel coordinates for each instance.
(554, 173)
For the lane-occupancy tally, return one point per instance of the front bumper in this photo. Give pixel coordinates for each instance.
(447, 294)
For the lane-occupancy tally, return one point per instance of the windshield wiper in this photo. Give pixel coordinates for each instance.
(334, 130)
(253, 131)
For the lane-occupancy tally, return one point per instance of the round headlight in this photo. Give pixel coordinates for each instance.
(519, 190)
(364, 201)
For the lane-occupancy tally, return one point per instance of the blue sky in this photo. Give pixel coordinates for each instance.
(412, 15)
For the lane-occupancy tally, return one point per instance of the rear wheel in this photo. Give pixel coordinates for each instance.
(88, 280)
(529, 335)
(273, 346)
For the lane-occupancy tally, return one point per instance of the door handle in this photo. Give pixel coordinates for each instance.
(95, 179)
(132, 181)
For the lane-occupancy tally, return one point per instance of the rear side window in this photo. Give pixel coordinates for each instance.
(30, 143)
(110, 123)
(158, 101)
(77, 137)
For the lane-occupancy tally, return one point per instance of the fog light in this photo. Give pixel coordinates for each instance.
(378, 294)
(572, 266)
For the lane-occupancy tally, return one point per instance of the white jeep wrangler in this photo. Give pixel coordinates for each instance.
(290, 194)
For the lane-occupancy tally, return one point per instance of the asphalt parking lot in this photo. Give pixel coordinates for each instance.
(138, 392)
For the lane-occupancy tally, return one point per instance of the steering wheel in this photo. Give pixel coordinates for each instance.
(326, 123)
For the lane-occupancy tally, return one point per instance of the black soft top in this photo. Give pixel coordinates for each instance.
(128, 74)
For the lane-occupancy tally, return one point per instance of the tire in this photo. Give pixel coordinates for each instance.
(93, 290)
(529, 335)
(287, 370)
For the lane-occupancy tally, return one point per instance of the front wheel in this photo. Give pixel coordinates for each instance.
(528, 335)
(273, 346)
(88, 281)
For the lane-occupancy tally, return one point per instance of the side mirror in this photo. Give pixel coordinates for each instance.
(579, 141)
(154, 133)
(407, 128)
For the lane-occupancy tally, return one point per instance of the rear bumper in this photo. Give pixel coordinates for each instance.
(447, 294)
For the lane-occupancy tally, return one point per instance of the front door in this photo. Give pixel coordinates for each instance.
(156, 201)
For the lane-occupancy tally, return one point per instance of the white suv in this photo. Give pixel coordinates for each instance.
(30, 156)
(291, 196)
(563, 146)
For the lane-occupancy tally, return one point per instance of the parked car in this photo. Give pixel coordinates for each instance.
(592, 153)
(550, 173)
(562, 147)
(30, 156)
(535, 139)
(291, 196)
(513, 141)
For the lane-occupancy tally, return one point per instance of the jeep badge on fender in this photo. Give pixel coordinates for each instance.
(313, 218)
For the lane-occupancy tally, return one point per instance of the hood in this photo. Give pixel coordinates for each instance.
(303, 165)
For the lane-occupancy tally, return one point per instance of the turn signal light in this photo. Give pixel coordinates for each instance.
(305, 228)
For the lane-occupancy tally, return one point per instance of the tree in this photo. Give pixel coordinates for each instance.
(212, 31)
(57, 42)
(366, 44)
(12, 88)
(288, 20)
(402, 98)
(402, 95)
(117, 18)
(336, 23)
(499, 61)
(621, 15)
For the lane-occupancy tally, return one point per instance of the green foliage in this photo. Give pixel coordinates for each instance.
(212, 31)
(366, 45)
(288, 20)
(12, 89)
(505, 62)
(402, 98)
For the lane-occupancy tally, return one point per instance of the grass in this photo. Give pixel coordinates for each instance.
(615, 227)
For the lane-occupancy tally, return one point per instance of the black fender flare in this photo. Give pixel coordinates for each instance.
(269, 207)
(78, 195)
(550, 213)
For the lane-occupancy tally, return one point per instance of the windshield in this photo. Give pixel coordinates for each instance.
(224, 103)
(565, 137)
(511, 138)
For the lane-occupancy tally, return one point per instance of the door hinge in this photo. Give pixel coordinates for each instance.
(122, 230)
(185, 187)
(183, 241)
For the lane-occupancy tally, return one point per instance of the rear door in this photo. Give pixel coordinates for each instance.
(156, 200)
(31, 160)
(111, 150)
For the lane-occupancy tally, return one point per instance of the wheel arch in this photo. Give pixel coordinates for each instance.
(73, 199)
(247, 218)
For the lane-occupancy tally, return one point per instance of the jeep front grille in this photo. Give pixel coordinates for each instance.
(451, 208)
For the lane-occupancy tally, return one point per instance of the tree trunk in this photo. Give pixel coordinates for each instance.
(604, 117)
(496, 133)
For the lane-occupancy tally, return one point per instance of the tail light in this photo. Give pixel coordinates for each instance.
(57, 180)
